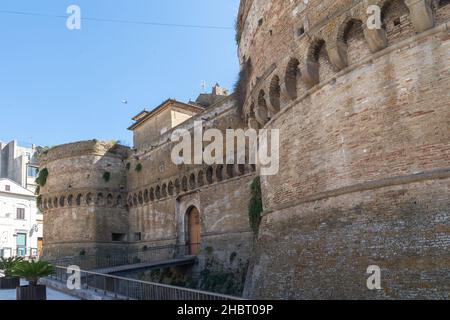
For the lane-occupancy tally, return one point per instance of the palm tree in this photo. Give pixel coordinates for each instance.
(32, 271)
(8, 281)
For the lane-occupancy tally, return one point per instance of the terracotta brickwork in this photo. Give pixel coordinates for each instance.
(145, 201)
(364, 176)
(365, 129)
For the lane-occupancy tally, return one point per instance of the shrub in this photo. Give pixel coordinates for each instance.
(32, 271)
(41, 180)
(7, 265)
(139, 167)
(106, 176)
(241, 86)
(238, 34)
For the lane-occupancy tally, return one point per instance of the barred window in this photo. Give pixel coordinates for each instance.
(20, 214)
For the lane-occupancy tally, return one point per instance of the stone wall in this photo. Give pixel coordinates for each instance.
(364, 128)
(145, 202)
(162, 194)
(82, 207)
(322, 249)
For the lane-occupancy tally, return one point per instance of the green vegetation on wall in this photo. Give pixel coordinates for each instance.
(219, 278)
(106, 176)
(128, 166)
(139, 167)
(41, 180)
(255, 207)
(39, 201)
(238, 34)
(241, 86)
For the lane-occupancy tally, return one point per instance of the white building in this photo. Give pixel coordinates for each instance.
(20, 220)
(19, 164)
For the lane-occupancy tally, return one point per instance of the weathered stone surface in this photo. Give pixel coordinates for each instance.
(364, 124)
(365, 150)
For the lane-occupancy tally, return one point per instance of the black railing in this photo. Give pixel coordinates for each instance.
(117, 259)
(124, 288)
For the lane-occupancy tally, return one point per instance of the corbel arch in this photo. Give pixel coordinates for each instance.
(275, 94)
(261, 110)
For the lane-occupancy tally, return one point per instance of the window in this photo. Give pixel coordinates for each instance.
(20, 214)
(137, 236)
(33, 171)
(7, 188)
(118, 237)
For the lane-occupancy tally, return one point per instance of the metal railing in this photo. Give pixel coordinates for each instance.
(124, 288)
(117, 259)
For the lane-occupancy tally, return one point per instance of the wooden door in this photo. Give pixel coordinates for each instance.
(194, 231)
(39, 247)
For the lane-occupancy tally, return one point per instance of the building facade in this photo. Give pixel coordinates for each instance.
(21, 223)
(364, 174)
(19, 164)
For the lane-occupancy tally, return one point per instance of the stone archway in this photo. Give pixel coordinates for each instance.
(193, 230)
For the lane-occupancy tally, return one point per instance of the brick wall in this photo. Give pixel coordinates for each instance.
(365, 152)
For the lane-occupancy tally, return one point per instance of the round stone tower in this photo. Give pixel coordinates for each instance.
(83, 198)
(364, 119)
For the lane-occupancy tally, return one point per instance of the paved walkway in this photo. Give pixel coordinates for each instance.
(51, 294)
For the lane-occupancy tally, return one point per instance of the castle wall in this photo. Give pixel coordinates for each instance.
(322, 249)
(162, 193)
(364, 132)
(81, 207)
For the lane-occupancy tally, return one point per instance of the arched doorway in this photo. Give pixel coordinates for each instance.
(193, 231)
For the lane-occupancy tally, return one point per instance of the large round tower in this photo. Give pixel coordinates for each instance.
(83, 197)
(364, 123)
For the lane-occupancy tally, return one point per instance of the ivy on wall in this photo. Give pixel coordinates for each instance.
(139, 167)
(41, 180)
(255, 207)
(106, 176)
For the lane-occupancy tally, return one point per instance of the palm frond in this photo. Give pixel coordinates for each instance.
(32, 270)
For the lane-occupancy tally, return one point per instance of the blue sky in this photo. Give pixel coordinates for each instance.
(59, 85)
